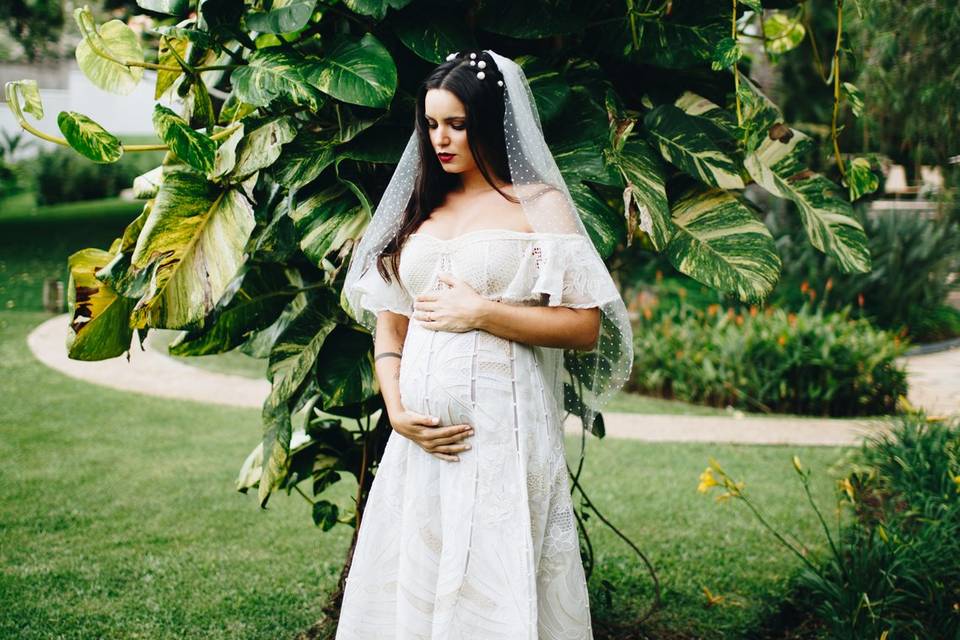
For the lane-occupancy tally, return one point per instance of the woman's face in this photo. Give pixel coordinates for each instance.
(446, 123)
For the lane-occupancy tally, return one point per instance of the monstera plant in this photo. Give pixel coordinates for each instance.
(282, 121)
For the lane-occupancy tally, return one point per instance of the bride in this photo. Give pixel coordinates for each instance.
(487, 301)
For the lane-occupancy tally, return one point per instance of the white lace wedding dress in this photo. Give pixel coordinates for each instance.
(486, 547)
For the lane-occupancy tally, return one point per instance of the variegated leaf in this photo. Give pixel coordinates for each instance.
(691, 143)
(782, 33)
(827, 217)
(284, 16)
(721, 243)
(327, 220)
(642, 169)
(193, 147)
(357, 72)
(261, 147)
(193, 241)
(114, 39)
(28, 91)
(99, 318)
(88, 138)
(861, 179)
(273, 73)
(166, 57)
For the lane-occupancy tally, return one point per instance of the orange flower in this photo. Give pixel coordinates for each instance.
(659, 275)
(730, 313)
(792, 319)
(753, 311)
(647, 313)
(813, 295)
(739, 320)
(712, 309)
(829, 284)
(782, 340)
(860, 300)
(804, 286)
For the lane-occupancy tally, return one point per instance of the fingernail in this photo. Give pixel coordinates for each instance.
(436, 420)
(466, 446)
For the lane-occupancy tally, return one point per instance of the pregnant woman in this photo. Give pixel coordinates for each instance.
(485, 296)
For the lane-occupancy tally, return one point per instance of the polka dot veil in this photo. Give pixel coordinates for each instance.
(593, 375)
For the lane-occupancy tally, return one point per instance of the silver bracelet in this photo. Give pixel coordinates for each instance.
(387, 353)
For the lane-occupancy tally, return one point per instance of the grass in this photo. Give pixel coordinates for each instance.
(36, 242)
(120, 520)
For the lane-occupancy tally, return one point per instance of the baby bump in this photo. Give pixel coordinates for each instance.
(461, 378)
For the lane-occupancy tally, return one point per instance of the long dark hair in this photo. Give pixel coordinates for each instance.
(483, 102)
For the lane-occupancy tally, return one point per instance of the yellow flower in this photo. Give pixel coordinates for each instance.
(711, 598)
(723, 497)
(706, 480)
(796, 464)
(956, 480)
(847, 487)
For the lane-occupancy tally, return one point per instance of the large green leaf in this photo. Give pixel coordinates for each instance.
(673, 44)
(578, 136)
(376, 9)
(274, 73)
(284, 16)
(193, 147)
(260, 147)
(99, 318)
(117, 44)
(326, 221)
(344, 372)
(88, 138)
(642, 169)
(193, 240)
(432, 36)
(827, 217)
(721, 243)
(303, 160)
(291, 361)
(357, 72)
(253, 300)
(604, 224)
(693, 144)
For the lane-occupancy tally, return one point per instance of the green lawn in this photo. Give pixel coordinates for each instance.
(119, 519)
(36, 242)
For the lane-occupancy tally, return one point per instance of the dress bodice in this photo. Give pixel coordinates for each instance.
(499, 264)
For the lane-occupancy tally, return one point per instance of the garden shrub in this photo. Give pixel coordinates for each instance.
(899, 573)
(63, 175)
(808, 362)
(912, 259)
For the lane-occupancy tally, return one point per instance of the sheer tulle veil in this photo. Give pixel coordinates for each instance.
(595, 375)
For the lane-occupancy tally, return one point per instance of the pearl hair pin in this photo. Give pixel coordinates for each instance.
(482, 64)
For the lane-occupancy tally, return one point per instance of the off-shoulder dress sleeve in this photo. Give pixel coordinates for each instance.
(376, 294)
(563, 270)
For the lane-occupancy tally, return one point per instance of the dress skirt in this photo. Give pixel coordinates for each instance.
(486, 547)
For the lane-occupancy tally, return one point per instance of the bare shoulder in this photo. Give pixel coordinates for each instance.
(546, 197)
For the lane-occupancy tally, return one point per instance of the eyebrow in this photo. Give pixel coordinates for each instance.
(446, 119)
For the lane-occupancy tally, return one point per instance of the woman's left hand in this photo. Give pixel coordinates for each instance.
(454, 309)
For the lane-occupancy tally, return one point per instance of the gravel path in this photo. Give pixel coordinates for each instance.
(934, 382)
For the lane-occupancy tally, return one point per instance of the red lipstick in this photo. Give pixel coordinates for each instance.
(445, 157)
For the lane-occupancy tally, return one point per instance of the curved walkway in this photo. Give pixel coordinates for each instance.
(935, 376)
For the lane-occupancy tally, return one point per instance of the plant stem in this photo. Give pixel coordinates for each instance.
(736, 71)
(836, 91)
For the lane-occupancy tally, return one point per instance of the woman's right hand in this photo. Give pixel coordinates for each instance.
(443, 442)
